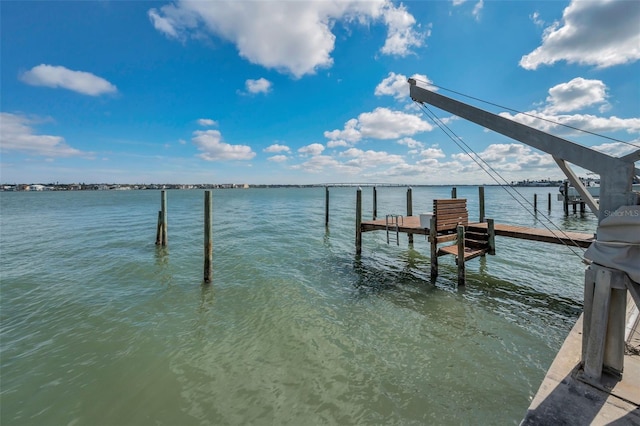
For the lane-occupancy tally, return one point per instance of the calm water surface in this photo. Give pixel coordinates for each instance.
(101, 327)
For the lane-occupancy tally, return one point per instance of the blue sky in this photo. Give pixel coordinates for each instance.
(304, 92)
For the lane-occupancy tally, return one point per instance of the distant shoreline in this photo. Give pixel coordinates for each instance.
(138, 187)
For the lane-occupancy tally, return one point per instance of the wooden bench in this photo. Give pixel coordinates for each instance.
(448, 215)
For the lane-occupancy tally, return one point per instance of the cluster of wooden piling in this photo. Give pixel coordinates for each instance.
(161, 232)
(566, 201)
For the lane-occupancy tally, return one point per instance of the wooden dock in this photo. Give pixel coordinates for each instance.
(543, 235)
(411, 225)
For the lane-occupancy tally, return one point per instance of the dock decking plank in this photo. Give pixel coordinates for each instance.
(411, 225)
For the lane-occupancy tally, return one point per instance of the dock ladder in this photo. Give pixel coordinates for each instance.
(393, 221)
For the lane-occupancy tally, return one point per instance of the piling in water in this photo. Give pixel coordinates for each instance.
(481, 201)
(326, 206)
(454, 192)
(359, 221)
(375, 203)
(163, 212)
(461, 270)
(433, 238)
(208, 238)
(159, 229)
(410, 209)
(491, 230)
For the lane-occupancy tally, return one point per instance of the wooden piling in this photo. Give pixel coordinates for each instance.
(454, 192)
(208, 238)
(535, 203)
(481, 201)
(491, 230)
(326, 206)
(159, 229)
(410, 209)
(461, 272)
(375, 203)
(565, 202)
(163, 213)
(433, 238)
(549, 201)
(582, 207)
(359, 221)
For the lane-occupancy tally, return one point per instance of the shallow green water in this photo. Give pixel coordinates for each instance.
(99, 326)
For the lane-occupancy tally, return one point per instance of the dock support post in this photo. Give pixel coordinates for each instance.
(461, 272)
(433, 238)
(410, 209)
(582, 207)
(535, 203)
(359, 221)
(159, 229)
(163, 212)
(208, 240)
(326, 206)
(481, 203)
(375, 203)
(491, 230)
(454, 192)
(565, 202)
(604, 321)
(549, 201)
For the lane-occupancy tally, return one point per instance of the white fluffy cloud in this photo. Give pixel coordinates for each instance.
(367, 159)
(207, 122)
(77, 81)
(617, 149)
(278, 158)
(311, 150)
(396, 85)
(432, 152)
(411, 143)
(575, 95)
(603, 33)
(277, 148)
(213, 149)
(509, 157)
(260, 85)
(401, 36)
(336, 143)
(17, 135)
(320, 163)
(381, 123)
(290, 36)
(589, 122)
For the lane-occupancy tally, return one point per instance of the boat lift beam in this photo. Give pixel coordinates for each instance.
(616, 174)
(605, 296)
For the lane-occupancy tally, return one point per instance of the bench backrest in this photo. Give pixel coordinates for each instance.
(450, 213)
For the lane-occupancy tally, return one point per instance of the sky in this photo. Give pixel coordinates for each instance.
(302, 92)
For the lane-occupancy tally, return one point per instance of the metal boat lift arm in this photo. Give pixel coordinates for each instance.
(616, 174)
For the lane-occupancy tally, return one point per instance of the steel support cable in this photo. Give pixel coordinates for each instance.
(529, 114)
(474, 156)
